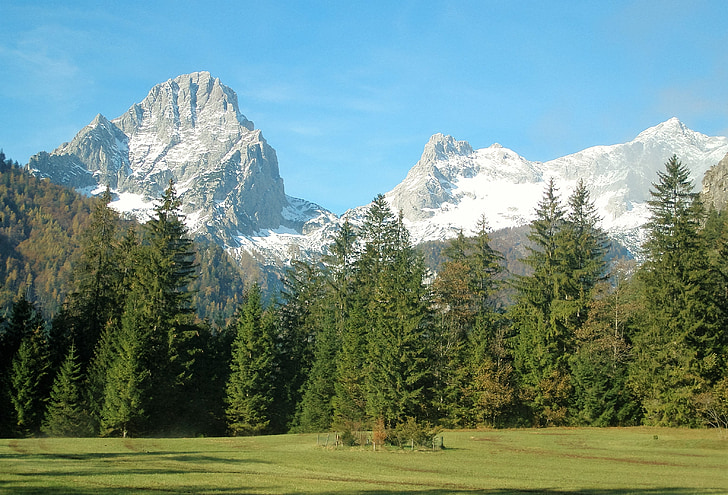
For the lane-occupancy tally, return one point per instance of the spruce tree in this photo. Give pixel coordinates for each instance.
(158, 313)
(457, 305)
(24, 368)
(127, 385)
(29, 370)
(331, 369)
(98, 298)
(602, 357)
(300, 321)
(543, 341)
(398, 381)
(250, 388)
(675, 353)
(67, 414)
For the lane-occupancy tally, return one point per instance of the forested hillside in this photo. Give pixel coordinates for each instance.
(368, 338)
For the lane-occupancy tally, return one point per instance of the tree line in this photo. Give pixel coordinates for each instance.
(368, 338)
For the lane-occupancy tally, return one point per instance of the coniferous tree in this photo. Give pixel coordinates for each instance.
(101, 363)
(24, 367)
(586, 248)
(127, 385)
(398, 371)
(602, 357)
(159, 314)
(543, 341)
(67, 414)
(457, 307)
(301, 317)
(250, 388)
(28, 383)
(98, 298)
(326, 397)
(675, 353)
(490, 388)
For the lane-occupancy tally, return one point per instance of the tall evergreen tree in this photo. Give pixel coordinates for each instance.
(127, 385)
(675, 353)
(98, 298)
(158, 307)
(28, 383)
(99, 368)
(300, 322)
(250, 388)
(398, 360)
(24, 368)
(543, 341)
(602, 357)
(332, 369)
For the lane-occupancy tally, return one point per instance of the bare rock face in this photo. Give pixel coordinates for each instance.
(188, 129)
(715, 185)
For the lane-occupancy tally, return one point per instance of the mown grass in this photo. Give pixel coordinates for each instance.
(591, 461)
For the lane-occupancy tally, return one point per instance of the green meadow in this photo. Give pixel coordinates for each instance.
(559, 460)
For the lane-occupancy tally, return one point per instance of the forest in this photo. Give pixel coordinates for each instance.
(137, 330)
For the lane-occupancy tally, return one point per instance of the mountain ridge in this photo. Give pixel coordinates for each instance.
(189, 129)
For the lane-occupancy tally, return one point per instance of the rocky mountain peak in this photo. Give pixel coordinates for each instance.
(442, 147)
(188, 129)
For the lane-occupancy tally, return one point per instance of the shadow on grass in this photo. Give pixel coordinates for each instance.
(172, 455)
(21, 490)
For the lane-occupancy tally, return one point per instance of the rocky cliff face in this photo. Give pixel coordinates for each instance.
(715, 185)
(188, 129)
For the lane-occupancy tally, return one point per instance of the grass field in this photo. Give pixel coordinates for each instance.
(590, 461)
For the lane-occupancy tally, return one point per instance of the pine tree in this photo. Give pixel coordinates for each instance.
(67, 414)
(250, 388)
(600, 363)
(457, 304)
(97, 299)
(586, 246)
(332, 371)
(127, 385)
(543, 341)
(158, 309)
(301, 317)
(675, 353)
(398, 371)
(101, 363)
(28, 392)
(24, 368)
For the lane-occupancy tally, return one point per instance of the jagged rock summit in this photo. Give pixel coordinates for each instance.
(188, 129)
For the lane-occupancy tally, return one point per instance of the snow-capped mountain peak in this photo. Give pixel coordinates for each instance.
(447, 190)
(188, 129)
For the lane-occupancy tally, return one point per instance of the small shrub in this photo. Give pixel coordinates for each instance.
(349, 439)
(413, 432)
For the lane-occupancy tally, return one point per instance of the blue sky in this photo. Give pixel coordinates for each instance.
(348, 93)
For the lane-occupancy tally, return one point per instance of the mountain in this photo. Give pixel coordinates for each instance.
(188, 129)
(453, 185)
